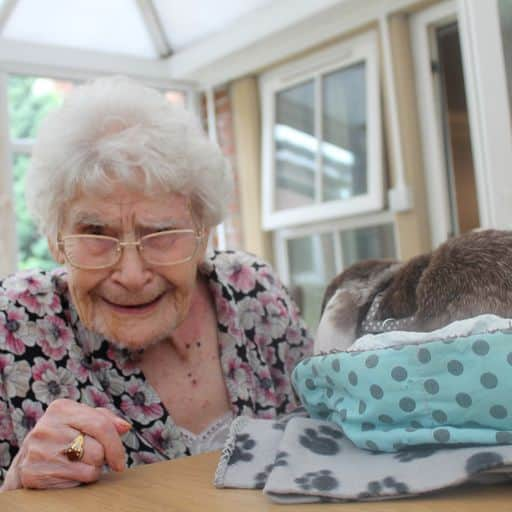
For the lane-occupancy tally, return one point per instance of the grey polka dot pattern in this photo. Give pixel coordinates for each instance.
(448, 393)
(407, 404)
(431, 386)
(455, 367)
(481, 347)
(441, 435)
(504, 437)
(424, 356)
(371, 361)
(489, 380)
(439, 416)
(372, 446)
(399, 373)
(498, 411)
(376, 391)
(329, 381)
(463, 399)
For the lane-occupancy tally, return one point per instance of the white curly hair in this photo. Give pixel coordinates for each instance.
(115, 129)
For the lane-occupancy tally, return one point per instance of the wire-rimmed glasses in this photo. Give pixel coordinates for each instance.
(92, 252)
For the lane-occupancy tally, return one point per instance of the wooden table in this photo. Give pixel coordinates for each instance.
(186, 485)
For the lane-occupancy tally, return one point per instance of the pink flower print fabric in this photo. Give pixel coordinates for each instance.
(46, 353)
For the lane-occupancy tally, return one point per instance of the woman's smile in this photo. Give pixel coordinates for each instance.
(134, 309)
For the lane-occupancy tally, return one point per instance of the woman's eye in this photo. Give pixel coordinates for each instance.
(94, 230)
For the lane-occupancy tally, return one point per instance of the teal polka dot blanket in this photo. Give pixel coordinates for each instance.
(451, 391)
(399, 414)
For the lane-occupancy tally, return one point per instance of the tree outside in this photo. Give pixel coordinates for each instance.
(30, 100)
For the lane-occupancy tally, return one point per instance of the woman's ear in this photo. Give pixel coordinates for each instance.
(206, 238)
(204, 242)
(56, 251)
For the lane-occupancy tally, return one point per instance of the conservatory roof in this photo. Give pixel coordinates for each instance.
(163, 31)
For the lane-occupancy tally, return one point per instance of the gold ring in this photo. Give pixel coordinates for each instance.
(75, 451)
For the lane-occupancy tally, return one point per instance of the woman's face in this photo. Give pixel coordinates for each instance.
(133, 303)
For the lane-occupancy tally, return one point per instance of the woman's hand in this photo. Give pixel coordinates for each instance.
(41, 463)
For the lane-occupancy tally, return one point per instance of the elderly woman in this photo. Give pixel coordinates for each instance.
(141, 348)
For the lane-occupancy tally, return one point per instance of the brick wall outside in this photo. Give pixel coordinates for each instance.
(226, 141)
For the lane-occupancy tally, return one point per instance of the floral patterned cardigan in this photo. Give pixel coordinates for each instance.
(46, 353)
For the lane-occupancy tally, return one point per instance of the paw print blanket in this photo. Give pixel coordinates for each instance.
(305, 460)
(356, 442)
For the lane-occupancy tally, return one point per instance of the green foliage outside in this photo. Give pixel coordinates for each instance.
(28, 105)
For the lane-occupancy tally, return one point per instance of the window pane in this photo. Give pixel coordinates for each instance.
(112, 26)
(344, 172)
(33, 249)
(505, 12)
(312, 266)
(366, 243)
(30, 100)
(295, 146)
(176, 97)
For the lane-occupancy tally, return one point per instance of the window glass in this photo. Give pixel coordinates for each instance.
(30, 99)
(505, 13)
(32, 248)
(322, 136)
(312, 262)
(344, 133)
(295, 146)
(176, 97)
(312, 265)
(366, 243)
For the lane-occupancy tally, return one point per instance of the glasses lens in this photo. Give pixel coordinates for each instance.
(169, 247)
(90, 251)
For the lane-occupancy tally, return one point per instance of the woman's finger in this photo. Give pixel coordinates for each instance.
(93, 452)
(97, 424)
(46, 475)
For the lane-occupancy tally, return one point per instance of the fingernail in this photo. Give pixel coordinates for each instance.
(123, 424)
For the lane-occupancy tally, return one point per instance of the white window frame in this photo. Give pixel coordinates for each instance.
(422, 24)
(362, 48)
(9, 147)
(489, 117)
(282, 236)
(487, 98)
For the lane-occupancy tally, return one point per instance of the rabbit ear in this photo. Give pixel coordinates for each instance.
(338, 325)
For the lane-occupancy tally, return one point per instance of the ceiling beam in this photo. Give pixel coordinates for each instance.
(6, 11)
(155, 28)
(72, 63)
(280, 31)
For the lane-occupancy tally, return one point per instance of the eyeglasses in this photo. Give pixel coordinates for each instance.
(91, 252)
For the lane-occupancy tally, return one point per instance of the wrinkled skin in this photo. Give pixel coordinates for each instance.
(112, 301)
(40, 463)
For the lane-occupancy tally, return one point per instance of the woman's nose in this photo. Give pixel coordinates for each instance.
(131, 271)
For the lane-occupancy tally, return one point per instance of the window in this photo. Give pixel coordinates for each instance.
(505, 15)
(322, 155)
(308, 258)
(29, 100)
